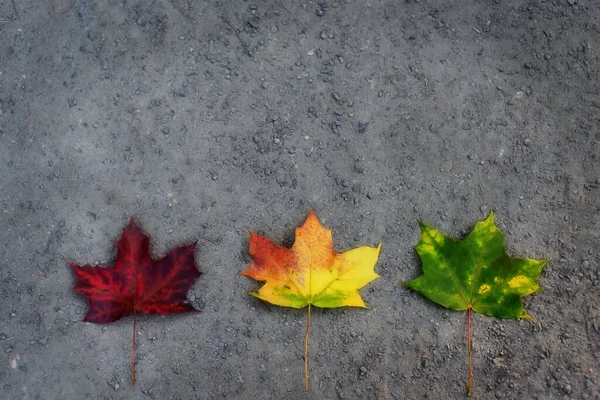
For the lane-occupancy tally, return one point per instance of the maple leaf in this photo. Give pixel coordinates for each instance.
(475, 274)
(137, 283)
(311, 272)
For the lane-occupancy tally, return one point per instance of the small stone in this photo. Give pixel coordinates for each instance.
(518, 95)
(146, 389)
(274, 29)
(363, 370)
(567, 389)
(320, 12)
(362, 126)
(557, 374)
(359, 167)
(281, 178)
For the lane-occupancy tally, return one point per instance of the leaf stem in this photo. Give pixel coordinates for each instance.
(470, 374)
(133, 349)
(306, 350)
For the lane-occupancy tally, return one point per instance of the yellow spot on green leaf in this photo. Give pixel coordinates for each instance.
(483, 289)
(518, 281)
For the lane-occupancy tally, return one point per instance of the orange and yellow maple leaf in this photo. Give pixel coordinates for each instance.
(311, 272)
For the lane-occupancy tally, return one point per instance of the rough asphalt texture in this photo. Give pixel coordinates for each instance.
(206, 120)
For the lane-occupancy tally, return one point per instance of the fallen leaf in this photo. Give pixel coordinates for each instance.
(475, 274)
(311, 272)
(137, 283)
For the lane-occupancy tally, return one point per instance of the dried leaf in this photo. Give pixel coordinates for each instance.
(137, 283)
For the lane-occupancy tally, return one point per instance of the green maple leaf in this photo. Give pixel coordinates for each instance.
(475, 274)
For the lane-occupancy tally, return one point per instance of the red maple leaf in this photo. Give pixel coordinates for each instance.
(137, 283)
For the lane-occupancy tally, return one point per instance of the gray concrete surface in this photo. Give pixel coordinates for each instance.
(206, 120)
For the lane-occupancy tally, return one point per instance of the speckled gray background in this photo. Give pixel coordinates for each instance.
(206, 120)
